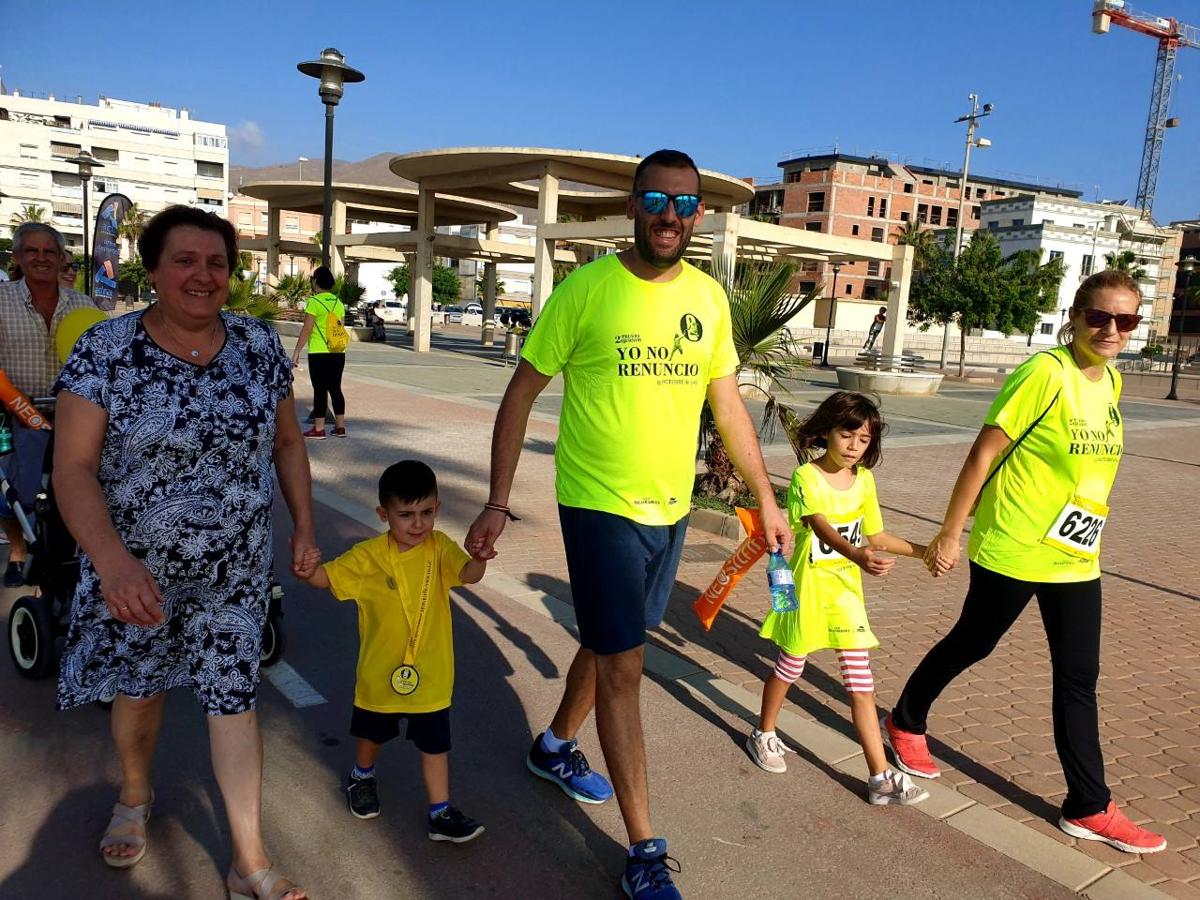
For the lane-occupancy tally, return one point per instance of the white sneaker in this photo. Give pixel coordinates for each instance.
(896, 788)
(767, 750)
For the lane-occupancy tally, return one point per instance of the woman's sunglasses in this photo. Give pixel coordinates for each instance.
(655, 202)
(1098, 318)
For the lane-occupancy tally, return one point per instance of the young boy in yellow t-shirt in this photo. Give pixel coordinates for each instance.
(401, 581)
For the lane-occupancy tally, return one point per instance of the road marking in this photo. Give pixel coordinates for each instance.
(292, 685)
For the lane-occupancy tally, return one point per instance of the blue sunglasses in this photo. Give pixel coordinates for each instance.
(655, 202)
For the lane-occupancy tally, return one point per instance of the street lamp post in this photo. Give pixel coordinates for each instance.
(837, 267)
(301, 160)
(85, 162)
(1186, 268)
(971, 119)
(331, 70)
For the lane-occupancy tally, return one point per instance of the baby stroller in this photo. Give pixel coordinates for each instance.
(37, 622)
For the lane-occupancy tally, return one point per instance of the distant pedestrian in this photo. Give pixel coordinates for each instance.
(1058, 435)
(834, 510)
(326, 354)
(876, 326)
(401, 582)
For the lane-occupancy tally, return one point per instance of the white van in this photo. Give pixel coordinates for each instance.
(392, 312)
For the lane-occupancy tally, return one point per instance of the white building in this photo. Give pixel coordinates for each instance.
(516, 278)
(154, 155)
(1081, 234)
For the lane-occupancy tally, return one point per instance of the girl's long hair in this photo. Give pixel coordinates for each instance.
(845, 410)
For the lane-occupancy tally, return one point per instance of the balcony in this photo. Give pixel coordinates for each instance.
(63, 190)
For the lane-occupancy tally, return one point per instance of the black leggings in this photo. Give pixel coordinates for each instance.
(325, 371)
(1071, 616)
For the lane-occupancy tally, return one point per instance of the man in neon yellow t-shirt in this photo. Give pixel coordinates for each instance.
(642, 340)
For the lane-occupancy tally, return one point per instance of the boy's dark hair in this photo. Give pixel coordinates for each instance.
(323, 278)
(408, 481)
(154, 235)
(848, 410)
(672, 159)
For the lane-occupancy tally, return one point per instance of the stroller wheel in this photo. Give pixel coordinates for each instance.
(31, 637)
(273, 641)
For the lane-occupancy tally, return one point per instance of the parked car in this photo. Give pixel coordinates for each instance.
(453, 315)
(392, 312)
(474, 309)
(514, 316)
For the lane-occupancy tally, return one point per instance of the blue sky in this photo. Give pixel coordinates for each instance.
(739, 85)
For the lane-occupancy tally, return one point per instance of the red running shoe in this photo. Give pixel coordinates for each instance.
(317, 434)
(1114, 828)
(339, 432)
(910, 750)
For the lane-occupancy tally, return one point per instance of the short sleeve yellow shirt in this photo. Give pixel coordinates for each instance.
(636, 357)
(387, 585)
(1072, 452)
(319, 306)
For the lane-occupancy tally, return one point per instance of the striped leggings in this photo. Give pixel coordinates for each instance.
(855, 664)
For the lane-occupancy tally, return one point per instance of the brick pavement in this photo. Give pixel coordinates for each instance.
(991, 728)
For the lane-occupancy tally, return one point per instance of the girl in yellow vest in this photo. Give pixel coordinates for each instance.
(832, 508)
(1041, 471)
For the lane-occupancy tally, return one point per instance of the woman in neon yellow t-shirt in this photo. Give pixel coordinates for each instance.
(1041, 470)
(325, 365)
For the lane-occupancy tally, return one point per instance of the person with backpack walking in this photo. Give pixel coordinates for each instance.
(325, 333)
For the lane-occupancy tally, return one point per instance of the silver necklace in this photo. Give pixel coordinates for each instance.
(195, 352)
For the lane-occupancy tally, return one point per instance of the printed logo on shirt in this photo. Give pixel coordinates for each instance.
(665, 365)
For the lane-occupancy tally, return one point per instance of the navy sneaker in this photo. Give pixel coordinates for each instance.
(648, 872)
(569, 769)
(451, 825)
(13, 577)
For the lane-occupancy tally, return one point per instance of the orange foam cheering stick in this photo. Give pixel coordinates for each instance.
(18, 404)
(747, 554)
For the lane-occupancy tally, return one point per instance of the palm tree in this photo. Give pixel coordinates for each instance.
(1126, 261)
(291, 290)
(243, 299)
(761, 304)
(923, 241)
(28, 213)
(132, 226)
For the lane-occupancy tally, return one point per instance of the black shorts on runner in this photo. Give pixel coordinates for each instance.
(429, 731)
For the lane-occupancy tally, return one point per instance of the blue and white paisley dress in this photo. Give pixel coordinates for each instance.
(187, 471)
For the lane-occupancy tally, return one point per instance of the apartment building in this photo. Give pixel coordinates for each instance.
(248, 216)
(1082, 235)
(873, 198)
(155, 155)
(1185, 311)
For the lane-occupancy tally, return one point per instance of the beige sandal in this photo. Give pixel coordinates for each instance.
(123, 816)
(260, 885)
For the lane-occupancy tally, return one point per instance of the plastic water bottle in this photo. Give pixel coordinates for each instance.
(782, 583)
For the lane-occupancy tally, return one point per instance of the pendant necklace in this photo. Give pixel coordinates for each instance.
(195, 352)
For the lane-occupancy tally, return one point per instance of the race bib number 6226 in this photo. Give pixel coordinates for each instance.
(1077, 528)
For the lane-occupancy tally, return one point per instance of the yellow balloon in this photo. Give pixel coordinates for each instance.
(72, 327)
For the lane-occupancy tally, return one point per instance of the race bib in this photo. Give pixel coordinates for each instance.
(820, 552)
(1077, 529)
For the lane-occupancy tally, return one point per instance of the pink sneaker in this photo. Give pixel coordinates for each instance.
(1114, 828)
(316, 434)
(910, 750)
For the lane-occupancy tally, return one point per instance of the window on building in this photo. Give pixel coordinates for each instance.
(980, 193)
(812, 226)
(209, 140)
(935, 215)
(870, 206)
(849, 289)
(922, 212)
(926, 181)
(808, 266)
(245, 218)
(29, 151)
(1017, 223)
(1047, 221)
(263, 218)
(951, 217)
(791, 177)
(1055, 254)
(1046, 328)
(993, 226)
(908, 188)
(871, 291)
(975, 213)
(806, 286)
(967, 192)
(29, 179)
(883, 207)
(905, 216)
(854, 231)
(291, 224)
(873, 268)
(1086, 267)
(210, 169)
(108, 154)
(816, 201)
(64, 151)
(1000, 194)
(877, 235)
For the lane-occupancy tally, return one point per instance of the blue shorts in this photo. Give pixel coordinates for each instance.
(622, 574)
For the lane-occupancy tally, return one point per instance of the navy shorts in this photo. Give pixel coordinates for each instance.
(622, 574)
(429, 731)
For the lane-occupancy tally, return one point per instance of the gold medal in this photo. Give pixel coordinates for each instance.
(405, 680)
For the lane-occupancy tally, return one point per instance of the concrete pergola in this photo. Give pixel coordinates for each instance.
(532, 177)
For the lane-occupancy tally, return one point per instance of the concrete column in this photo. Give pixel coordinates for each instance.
(420, 275)
(724, 244)
(543, 248)
(337, 227)
(488, 335)
(272, 245)
(897, 306)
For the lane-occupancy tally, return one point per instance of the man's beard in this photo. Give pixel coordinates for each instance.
(645, 249)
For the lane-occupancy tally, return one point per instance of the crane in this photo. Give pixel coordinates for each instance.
(1172, 34)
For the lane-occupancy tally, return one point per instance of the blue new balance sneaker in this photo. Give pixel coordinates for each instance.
(569, 769)
(648, 872)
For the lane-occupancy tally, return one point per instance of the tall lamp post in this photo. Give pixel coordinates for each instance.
(331, 70)
(971, 119)
(85, 162)
(837, 267)
(1186, 268)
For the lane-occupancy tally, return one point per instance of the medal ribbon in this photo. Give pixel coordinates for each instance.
(415, 630)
